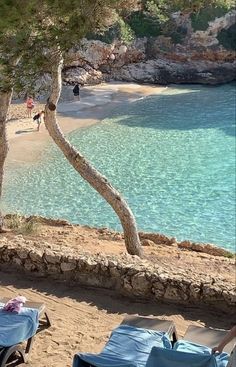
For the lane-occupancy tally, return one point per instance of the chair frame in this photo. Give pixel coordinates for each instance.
(208, 336)
(7, 352)
(168, 327)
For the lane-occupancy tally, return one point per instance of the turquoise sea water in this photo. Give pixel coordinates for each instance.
(172, 156)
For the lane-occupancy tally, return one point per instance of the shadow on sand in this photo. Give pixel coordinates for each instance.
(25, 131)
(112, 303)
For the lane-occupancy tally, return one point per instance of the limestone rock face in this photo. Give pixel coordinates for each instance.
(97, 54)
(208, 38)
(93, 53)
(92, 61)
(165, 72)
(198, 59)
(85, 75)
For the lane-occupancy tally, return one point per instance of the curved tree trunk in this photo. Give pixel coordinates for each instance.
(85, 169)
(5, 100)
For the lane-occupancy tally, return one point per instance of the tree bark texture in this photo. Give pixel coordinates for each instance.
(86, 170)
(5, 100)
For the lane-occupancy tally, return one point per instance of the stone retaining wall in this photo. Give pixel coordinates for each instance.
(128, 275)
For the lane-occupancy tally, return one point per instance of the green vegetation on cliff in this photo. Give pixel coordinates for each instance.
(155, 17)
(227, 37)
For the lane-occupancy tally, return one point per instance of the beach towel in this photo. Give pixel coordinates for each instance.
(173, 358)
(128, 346)
(186, 354)
(189, 347)
(17, 327)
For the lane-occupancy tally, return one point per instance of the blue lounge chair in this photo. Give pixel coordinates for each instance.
(18, 328)
(130, 343)
(194, 350)
(208, 337)
(185, 355)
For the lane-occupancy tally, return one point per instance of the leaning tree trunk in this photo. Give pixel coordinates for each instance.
(86, 170)
(5, 100)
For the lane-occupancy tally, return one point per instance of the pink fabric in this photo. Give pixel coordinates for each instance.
(15, 304)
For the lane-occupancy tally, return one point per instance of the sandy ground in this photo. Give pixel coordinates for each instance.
(82, 319)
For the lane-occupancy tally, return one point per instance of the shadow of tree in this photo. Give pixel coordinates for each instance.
(196, 109)
(29, 130)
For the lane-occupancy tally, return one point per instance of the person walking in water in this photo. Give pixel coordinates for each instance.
(39, 118)
(30, 105)
(76, 92)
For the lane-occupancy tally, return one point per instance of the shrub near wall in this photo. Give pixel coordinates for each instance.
(128, 275)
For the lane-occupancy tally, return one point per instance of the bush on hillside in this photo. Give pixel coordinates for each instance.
(144, 25)
(120, 30)
(227, 38)
(201, 19)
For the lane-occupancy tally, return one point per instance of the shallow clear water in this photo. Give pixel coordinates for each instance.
(172, 156)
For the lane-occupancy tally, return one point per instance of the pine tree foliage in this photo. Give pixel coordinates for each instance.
(39, 36)
(30, 28)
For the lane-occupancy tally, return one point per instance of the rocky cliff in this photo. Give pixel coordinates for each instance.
(199, 58)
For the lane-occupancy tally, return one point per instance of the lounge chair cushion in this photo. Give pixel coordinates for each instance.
(16, 328)
(186, 354)
(128, 346)
(189, 347)
(160, 357)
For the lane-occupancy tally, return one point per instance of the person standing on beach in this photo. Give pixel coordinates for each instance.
(76, 92)
(39, 118)
(30, 105)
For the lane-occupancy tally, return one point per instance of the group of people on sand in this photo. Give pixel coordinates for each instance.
(39, 117)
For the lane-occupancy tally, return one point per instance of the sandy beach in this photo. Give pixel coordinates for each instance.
(97, 102)
(83, 318)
